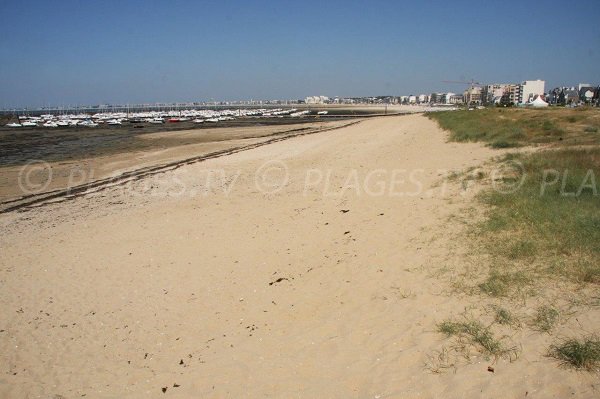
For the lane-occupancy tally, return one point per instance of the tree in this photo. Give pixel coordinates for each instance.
(505, 100)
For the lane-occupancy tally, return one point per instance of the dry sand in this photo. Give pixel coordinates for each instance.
(228, 292)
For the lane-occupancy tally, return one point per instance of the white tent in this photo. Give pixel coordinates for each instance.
(538, 102)
(588, 95)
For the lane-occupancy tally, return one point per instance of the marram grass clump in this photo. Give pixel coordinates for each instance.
(505, 317)
(578, 353)
(545, 319)
(477, 334)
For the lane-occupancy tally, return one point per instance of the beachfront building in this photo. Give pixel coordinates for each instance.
(423, 98)
(582, 85)
(514, 93)
(493, 93)
(556, 96)
(511, 94)
(473, 95)
(316, 100)
(529, 90)
(564, 96)
(574, 95)
(455, 98)
(437, 98)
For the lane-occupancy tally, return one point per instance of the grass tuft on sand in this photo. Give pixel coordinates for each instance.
(578, 353)
(477, 334)
(545, 319)
(505, 317)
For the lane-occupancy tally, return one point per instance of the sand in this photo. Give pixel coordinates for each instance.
(172, 288)
(75, 162)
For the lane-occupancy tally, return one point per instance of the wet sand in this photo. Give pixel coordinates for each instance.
(82, 155)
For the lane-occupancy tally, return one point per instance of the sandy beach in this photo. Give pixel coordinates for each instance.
(304, 268)
(80, 156)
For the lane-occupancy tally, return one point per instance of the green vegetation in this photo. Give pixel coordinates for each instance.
(505, 317)
(476, 333)
(502, 144)
(550, 224)
(514, 127)
(545, 318)
(541, 230)
(543, 218)
(588, 271)
(503, 283)
(581, 354)
(572, 119)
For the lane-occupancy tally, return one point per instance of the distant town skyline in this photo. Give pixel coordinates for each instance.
(73, 52)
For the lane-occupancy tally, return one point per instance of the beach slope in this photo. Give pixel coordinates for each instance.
(304, 268)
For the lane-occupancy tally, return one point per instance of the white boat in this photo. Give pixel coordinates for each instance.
(14, 125)
(198, 121)
(50, 124)
(212, 120)
(300, 113)
(29, 124)
(322, 112)
(156, 120)
(88, 123)
(113, 122)
(62, 123)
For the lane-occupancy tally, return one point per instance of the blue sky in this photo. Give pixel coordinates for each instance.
(88, 52)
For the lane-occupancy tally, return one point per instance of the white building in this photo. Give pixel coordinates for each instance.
(473, 95)
(412, 99)
(316, 100)
(423, 98)
(448, 96)
(492, 94)
(530, 89)
(581, 85)
(455, 99)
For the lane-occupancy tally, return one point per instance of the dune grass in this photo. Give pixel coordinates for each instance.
(514, 127)
(543, 208)
(501, 283)
(551, 222)
(545, 319)
(505, 317)
(578, 353)
(477, 334)
(541, 230)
